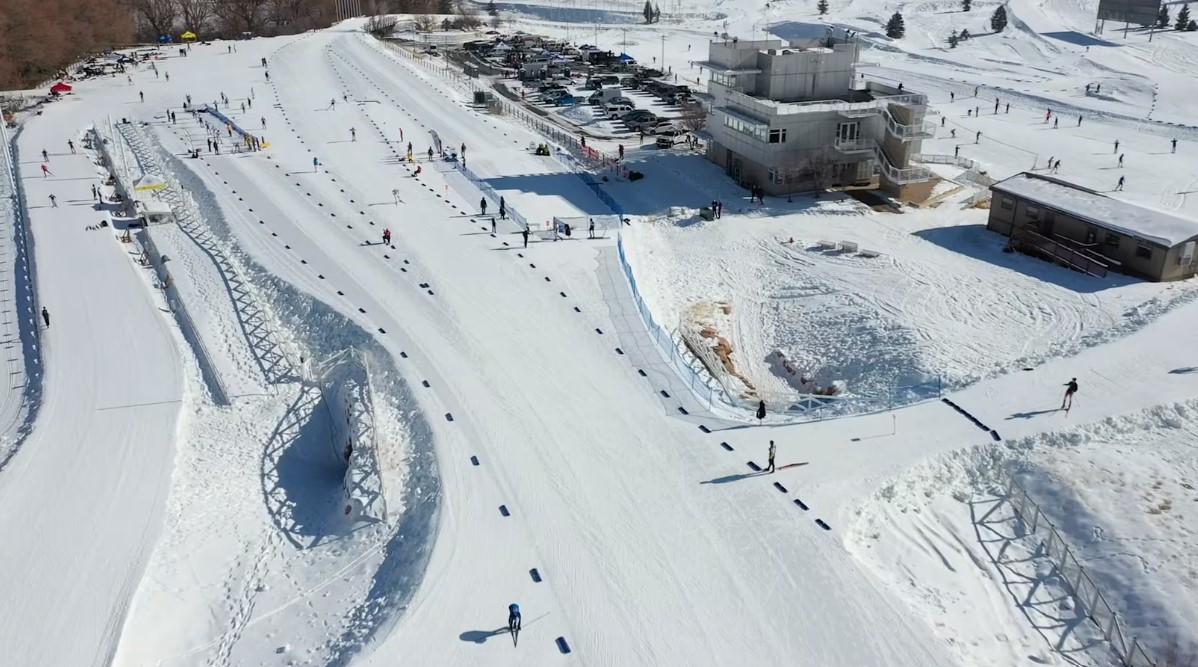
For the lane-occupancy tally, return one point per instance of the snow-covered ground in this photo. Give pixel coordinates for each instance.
(512, 432)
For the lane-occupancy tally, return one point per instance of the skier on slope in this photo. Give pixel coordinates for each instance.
(386, 237)
(1070, 390)
(46, 316)
(773, 450)
(513, 617)
(482, 204)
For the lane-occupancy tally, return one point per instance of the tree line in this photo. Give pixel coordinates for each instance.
(228, 18)
(40, 37)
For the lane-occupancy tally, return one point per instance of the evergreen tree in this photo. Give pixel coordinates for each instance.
(491, 8)
(648, 11)
(998, 20)
(656, 13)
(965, 34)
(822, 6)
(1192, 26)
(1183, 18)
(953, 40)
(1162, 17)
(966, 5)
(895, 28)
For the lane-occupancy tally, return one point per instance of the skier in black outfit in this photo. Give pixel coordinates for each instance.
(771, 467)
(1070, 390)
(482, 204)
(760, 411)
(46, 316)
(524, 233)
(502, 209)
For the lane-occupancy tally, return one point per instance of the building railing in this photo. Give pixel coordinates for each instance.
(1094, 604)
(899, 175)
(877, 106)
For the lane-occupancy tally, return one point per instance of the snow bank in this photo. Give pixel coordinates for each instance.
(945, 536)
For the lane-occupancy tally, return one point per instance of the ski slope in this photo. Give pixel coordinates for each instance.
(526, 420)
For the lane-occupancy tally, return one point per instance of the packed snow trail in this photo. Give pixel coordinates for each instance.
(81, 502)
(603, 486)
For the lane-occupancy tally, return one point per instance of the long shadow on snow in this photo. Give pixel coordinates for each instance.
(979, 243)
(301, 473)
(24, 291)
(321, 332)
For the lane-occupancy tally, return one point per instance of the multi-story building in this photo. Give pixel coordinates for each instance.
(792, 117)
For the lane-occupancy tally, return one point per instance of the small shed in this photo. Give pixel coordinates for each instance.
(1091, 232)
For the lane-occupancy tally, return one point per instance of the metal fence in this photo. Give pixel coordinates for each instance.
(1094, 604)
(489, 191)
(112, 149)
(23, 237)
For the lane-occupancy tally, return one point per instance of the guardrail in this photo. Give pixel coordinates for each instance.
(489, 191)
(1073, 573)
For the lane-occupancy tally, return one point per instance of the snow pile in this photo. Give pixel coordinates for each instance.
(944, 535)
(941, 304)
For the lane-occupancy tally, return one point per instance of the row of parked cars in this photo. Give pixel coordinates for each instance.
(608, 96)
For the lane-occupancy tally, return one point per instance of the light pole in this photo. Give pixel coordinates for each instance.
(663, 53)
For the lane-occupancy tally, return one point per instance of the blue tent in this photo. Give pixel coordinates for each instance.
(165, 39)
(624, 58)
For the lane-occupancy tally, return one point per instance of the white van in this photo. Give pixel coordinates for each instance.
(615, 111)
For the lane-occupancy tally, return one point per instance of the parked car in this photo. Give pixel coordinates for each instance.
(615, 111)
(641, 123)
(670, 141)
(555, 94)
(668, 129)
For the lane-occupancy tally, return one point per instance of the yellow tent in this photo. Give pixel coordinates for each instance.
(149, 183)
(188, 36)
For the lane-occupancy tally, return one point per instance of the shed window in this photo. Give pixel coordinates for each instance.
(1008, 203)
(1143, 249)
(1112, 239)
(1033, 212)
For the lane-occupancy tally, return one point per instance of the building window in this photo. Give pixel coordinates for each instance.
(1112, 240)
(1091, 235)
(778, 136)
(1008, 203)
(758, 132)
(1143, 250)
(1033, 212)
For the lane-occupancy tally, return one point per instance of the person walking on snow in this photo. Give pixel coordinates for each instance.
(513, 617)
(502, 209)
(46, 316)
(760, 412)
(263, 119)
(482, 204)
(430, 153)
(141, 95)
(524, 233)
(1070, 390)
(1121, 160)
(53, 201)
(395, 195)
(492, 225)
(773, 449)
(95, 192)
(1119, 186)
(315, 164)
(1174, 141)
(332, 105)
(591, 229)
(45, 156)
(386, 237)
(353, 134)
(1116, 146)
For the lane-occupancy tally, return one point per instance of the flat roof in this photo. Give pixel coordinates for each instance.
(1094, 207)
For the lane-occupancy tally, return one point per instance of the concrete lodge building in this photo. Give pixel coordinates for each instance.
(788, 118)
(1089, 231)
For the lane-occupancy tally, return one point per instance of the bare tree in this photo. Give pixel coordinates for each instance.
(820, 167)
(238, 16)
(469, 13)
(424, 23)
(40, 37)
(195, 15)
(154, 17)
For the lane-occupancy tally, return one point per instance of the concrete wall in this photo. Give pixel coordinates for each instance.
(816, 74)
